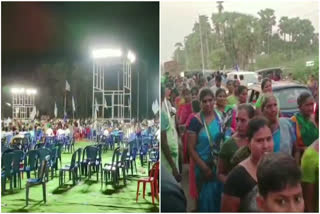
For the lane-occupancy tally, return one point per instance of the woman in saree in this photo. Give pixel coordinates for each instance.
(204, 144)
(266, 87)
(240, 186)
(239, 139)
(242, 94)
(183, 115)
(304, 121)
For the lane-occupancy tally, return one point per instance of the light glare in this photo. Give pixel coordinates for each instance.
(31, 91)
(22, 91)
(17, 90)
(106, 53)
(131, 57)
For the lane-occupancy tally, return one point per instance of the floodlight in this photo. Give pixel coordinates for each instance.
(31, 91)
(131, 57)
(17, 90)
(106, 53)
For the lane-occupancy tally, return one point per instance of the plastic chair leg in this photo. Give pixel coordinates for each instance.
(11, 183)
(135, 165)
(97, 169)
(27, 194)
(156, 189)
(20, 180)
(152, 191)
(60, 178)
(124, 177)
(44, 192)
(138, 191)
(144, 189)
(73, 177)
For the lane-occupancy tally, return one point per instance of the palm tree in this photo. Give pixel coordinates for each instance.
(220, 6)
(178, 47)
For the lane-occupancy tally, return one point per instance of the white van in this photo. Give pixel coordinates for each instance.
(246, 78)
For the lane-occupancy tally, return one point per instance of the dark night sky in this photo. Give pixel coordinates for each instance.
(38, 33)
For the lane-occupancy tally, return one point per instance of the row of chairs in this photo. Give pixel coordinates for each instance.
(16, 162)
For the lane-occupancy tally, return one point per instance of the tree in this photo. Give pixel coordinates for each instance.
(220, 6)
(235, 38)
(178, 55)
(267, 20)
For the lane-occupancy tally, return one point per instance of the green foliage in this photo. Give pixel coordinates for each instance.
(297, 66)
(237, 38)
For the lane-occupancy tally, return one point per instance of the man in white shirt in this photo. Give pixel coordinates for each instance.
(106, 132)
(217, 85)
(67, 131)
(49, 132)
(60, 132)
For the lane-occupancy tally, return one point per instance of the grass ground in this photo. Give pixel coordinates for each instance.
(85, 197)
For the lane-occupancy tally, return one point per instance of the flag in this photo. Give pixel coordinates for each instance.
(156, 106)
(73, 104)
(105, 103)
(237, 67)
(152, 107)
(97, 107)
(38, 112)
(33, 113)
(55, 110)
(68, 88)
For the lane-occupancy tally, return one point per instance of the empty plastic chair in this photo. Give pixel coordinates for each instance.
(38, 181)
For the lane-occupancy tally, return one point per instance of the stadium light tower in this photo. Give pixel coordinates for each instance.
(23, 102)
(117, 100)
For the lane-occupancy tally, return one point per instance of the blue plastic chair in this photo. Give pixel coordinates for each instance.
(153, 157)
(30, 162)
(92, 159)
(41, 180)
(122, 165)
(131, 158)
(109, 171)
(143, 153)
(7, 161)
(18, 157)
(44, 154)
(72, 169)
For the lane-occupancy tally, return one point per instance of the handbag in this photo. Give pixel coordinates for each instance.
(214, 146)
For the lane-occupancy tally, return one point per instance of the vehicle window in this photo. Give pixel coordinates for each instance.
(251, 78)
(288, 96)
(253, 96)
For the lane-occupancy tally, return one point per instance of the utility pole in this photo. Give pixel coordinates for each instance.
(138, 96)
(147, 99)
(186, 55)
(201, 46)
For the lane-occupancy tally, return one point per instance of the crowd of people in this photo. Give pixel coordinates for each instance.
(49, 127)
(242, 157)
(77, 129)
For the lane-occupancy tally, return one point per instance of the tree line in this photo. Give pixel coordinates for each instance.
(229, 39)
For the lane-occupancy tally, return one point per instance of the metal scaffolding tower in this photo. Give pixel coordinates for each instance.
(111, 103)
(23, 102)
